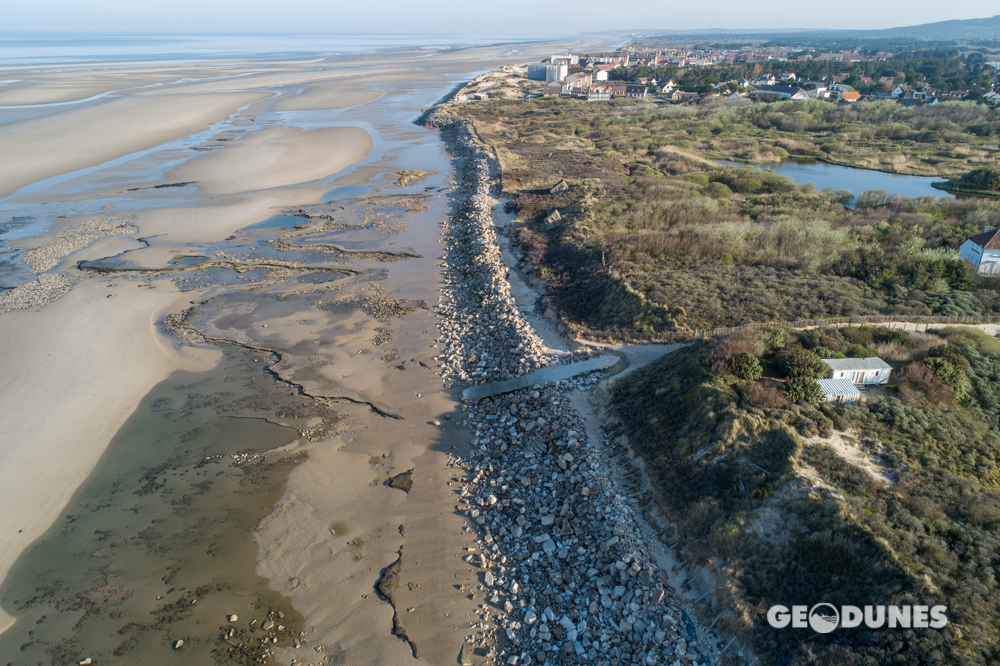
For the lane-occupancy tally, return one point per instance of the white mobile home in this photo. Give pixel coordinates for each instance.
(839, 390)
(859, 370)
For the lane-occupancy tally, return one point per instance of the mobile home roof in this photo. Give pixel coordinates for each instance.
(841, 364)
(838, 387)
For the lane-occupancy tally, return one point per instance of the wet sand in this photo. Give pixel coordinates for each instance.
(275, 157)
(41, 148)
(152, 549)
(80, 367)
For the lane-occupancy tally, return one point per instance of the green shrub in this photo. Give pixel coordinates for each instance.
(803, 389)
(774, 338)
(983, 179)
(979, 340)
(718, 191)
(804, 364)
(860, 351)
(826, 352)
(746, 366)
(949, 368)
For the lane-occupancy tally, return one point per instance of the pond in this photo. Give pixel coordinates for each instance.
(824, 175)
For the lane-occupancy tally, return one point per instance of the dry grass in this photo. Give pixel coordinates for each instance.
(919, 345)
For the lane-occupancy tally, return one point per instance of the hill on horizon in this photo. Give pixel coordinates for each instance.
(982, 28)
(964, 29)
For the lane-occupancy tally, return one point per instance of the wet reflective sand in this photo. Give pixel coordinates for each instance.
(155, 548)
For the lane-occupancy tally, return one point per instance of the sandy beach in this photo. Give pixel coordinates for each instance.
(232, 155)
(54, 429)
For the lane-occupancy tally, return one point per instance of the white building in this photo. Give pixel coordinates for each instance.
(597, 93)
(839, 390)
(543, 71)
(983, 252)
(781, 92)
(556, 72)
(859, 370)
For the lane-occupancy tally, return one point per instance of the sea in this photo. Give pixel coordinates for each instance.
(32, 49)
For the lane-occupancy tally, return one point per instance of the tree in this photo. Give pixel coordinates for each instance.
(984, 179)
(803, 389)
(746, 366)
(803, 364)
(950, 368)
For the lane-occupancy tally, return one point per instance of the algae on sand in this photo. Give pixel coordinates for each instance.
(153, 548)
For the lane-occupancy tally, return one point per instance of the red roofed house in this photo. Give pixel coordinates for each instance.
(850, 96)
(598, 92)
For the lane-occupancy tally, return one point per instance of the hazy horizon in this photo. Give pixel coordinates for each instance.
(448, 17)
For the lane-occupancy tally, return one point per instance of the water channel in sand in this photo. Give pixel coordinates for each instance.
(153, 548)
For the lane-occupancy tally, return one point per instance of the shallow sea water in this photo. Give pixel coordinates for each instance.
(156, 546)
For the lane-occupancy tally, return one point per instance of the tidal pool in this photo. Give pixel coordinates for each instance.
(346, 192)
(280, 222)
(156, 547)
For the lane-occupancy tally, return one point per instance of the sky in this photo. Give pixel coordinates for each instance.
(529, 18)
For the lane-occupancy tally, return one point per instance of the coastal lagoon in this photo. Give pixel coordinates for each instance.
(824, 175)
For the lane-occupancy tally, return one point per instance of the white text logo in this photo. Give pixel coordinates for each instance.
(824, 618)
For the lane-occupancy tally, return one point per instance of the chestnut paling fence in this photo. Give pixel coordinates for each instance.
(894, 321)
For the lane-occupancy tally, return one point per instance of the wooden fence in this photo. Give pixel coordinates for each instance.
(896, 321)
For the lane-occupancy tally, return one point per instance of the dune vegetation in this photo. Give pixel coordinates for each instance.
(657, 236)
(790, 500)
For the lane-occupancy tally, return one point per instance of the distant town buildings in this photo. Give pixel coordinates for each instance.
(600, 76)
(765, 92)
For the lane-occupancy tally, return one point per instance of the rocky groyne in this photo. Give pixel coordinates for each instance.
(566, 571)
